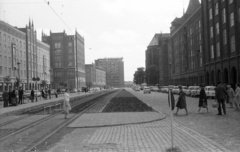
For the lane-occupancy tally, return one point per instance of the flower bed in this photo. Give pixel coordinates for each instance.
(126, 102)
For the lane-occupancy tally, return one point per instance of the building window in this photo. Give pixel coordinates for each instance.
(212, 52)
(218, 49)
(57, 45)
(58, 64)
(231, 19)
(58, 58)
(224, 37)
(211, 32)
(233, 43)
(210, 13)
(70, 63)
(69, 44)
(217, 28)
(230, 1)
(216, 9)
(0, 70)
(70, 50)
(201, 62)
(58, 51)
(224, 16)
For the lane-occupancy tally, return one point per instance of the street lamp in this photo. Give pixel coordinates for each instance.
(36, 79)
(49, 78)
(18, 74)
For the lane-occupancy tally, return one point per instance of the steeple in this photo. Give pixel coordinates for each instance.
(192, 6)
(32, 24)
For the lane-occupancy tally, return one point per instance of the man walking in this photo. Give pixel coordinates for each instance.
(20, 95)
(220, 96)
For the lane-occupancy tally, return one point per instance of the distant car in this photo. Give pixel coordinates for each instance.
(189, 90)
(210, 91)
(26, 93)
(37, 93)
(53, 91)
(164, 89)
(146, 90)
(195, 91)
(184, 88)
(74, 90)
(137, 88)
(175, 90)
(155, 89)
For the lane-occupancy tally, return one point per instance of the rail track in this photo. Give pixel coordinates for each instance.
(28, 137)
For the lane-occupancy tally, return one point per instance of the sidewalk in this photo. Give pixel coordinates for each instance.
(28, 104)
(153, 136)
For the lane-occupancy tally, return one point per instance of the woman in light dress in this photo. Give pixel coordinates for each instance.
(237, 97)
(66, 104)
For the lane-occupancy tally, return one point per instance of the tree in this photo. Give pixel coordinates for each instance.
(139, 76)
(152, 75)
(43, 83)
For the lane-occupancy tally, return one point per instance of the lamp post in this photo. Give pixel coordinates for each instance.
(36, 80)
(49, 78)
(18, 74)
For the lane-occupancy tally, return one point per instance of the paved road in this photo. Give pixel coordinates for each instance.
(225, 129)
(193, 133)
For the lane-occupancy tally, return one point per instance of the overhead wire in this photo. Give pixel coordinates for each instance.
(48, 3)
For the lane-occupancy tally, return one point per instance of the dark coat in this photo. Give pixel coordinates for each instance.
(20, 93)
(32, 94)
(202, 97)
(181, 100)
(220, 93)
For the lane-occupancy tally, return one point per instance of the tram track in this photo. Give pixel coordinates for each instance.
(51, 120)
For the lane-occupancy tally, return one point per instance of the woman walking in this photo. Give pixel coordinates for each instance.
(231, 95)
(202, 99)
(237, 96)
(66, 104)
(32, 96)
(181, 103)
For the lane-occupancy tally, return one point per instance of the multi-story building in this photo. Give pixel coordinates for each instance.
(21, 56)
(67, 59)
(95, 76)
(114, 68)
(185, 48)
(12, 56)
(221, 20)
(35, 50)
(157, 59)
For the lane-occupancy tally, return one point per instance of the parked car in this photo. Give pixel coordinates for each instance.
(37, 93)
(175, 90)
(155, 89)
(210, 91)
(188, 91)
(137, 88)
(53, 91)
(146, 90)
(184, 88)
(74, 90)
(26, 94)
(164, 89)
(195, 91)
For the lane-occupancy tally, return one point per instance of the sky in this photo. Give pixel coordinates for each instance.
(111, 28)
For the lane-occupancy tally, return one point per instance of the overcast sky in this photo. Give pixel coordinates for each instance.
(111, 28)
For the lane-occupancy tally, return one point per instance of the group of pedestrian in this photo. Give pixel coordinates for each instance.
(222, 95)
(13, 97)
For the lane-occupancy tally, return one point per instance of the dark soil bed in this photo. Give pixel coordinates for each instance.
(124, 101)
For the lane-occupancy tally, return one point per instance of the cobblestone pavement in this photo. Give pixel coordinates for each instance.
(224, 129)
(192, 133)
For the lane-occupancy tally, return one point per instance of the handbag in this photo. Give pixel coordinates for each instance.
(215, 104)
(204, 105)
